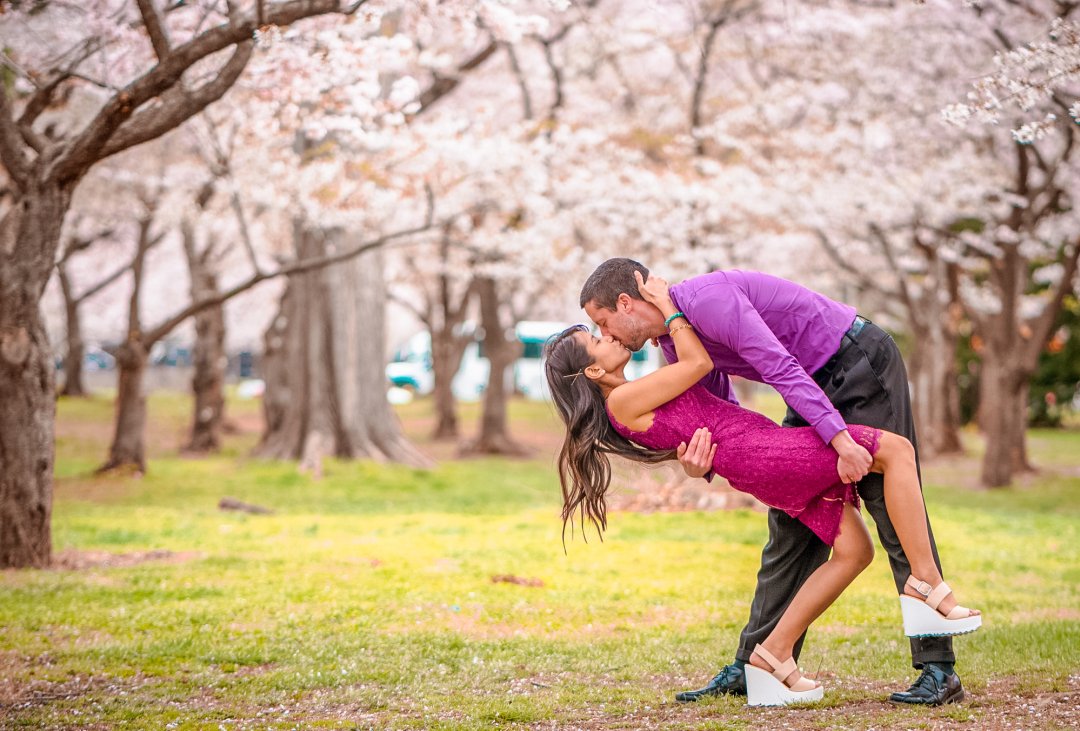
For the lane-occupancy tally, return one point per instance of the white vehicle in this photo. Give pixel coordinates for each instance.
(528, 368)
(411, 368)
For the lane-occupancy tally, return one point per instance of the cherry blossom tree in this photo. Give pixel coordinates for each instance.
(152, 69)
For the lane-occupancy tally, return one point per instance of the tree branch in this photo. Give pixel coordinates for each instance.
(155, 28)
(556, 83)
(886, 246)
(443, 85)
(1044, 323)
(12, 147)
(409, 305)
(838, 259)
(296, 267)
(83, 151)
(526, 100)
(223, 163)
(177, 106)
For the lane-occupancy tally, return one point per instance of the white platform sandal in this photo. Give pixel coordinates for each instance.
(922, 618)
(769, 689)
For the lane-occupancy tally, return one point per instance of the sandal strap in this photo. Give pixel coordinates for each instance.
(920, 586)
(958, 612)
(934, 599)
(780, 670)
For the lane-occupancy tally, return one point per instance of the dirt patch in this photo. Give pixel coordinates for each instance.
(1002, 704)
(72, 560)
(666, 489)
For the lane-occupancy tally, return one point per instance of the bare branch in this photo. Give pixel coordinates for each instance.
(887, 248)
(85, 149)
(556, 83)
(296, 267)
(1046, 319)
(702, 76)
(178, 106)
(221, 164)
(526, 100)
(116, 274)
(443, 85)
(155, 27)
(860, 275)
(408, 304)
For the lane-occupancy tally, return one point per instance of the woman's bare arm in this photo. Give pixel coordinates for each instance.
(632, 401)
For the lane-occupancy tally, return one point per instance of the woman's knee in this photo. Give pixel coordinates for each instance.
(894, 449)
(856, 554)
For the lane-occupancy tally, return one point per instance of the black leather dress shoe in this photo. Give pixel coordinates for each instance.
(731, 680)
(933, 688)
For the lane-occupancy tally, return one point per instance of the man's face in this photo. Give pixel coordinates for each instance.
(625, 324)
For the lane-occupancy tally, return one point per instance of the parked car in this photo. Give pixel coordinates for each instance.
(411, 369)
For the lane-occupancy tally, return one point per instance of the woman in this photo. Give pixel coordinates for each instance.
(786, 468)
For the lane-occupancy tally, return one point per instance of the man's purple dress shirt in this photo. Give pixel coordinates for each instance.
(766, 329)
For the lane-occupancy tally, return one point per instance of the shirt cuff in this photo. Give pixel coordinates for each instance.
(829, 427)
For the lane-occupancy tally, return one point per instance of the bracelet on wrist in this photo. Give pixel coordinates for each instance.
(668, 321)
(677, 328)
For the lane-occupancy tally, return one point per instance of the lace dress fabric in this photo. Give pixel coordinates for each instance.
(788, 468)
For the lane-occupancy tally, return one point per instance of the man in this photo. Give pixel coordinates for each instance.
(831, 367)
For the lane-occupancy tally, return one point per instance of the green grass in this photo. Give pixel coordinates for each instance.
(367, 599)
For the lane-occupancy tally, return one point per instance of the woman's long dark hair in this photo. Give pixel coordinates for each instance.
(584, 468)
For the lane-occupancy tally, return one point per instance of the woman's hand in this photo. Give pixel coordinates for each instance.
(655, 291)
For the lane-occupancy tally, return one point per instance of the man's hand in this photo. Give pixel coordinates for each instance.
(697, 457)
(854, 461)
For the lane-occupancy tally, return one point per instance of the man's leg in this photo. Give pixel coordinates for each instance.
(871, 388)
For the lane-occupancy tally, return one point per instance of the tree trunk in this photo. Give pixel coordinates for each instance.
(208, 380)
(325, 364)
(935, 391)
(29, 237)
(448, 344)
(128, 445)
(447, 349)
(1003, 409)
(76, 348)
(501, 352)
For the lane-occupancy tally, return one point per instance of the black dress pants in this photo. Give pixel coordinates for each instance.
(867, 383)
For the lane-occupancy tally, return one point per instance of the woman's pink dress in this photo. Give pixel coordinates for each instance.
(789, 468)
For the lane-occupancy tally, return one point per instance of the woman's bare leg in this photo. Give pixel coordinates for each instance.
(852, 552)
(895, 458)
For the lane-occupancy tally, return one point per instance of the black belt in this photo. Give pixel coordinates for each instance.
(845, 343)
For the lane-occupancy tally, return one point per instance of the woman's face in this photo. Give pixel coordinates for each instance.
(605, 352)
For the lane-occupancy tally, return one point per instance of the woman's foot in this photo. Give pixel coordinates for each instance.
(942, 594)
(770, 682)
(793, 677)
(932, 611)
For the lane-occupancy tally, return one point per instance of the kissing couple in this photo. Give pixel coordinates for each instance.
(848, 439)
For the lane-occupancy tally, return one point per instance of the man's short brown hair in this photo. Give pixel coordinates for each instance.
(611, 279)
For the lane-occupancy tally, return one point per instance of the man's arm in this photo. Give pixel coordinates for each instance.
(734, 322)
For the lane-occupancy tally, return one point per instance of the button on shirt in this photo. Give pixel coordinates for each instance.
(765, 329)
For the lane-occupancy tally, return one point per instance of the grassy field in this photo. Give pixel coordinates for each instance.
(385, 597)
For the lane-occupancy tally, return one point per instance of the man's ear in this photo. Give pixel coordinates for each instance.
(624, 302)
